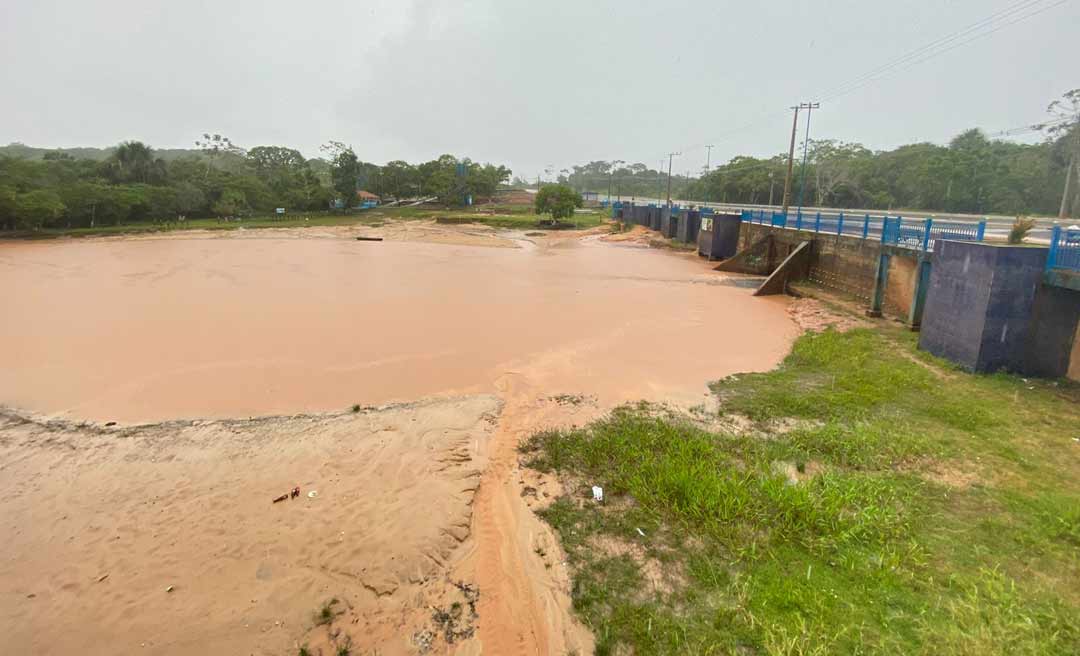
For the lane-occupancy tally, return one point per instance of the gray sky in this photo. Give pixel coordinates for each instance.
(523, 83)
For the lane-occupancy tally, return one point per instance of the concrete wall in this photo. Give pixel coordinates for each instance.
(979, 304)
(1074, 362)
(900, 289)
(1052, 344)
(845, 264)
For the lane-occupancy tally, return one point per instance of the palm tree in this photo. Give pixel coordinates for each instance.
(134, 161)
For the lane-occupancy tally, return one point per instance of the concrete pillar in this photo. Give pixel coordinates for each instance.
(881, 281)
(918, 294)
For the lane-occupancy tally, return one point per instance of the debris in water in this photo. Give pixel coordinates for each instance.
(169, 589)
(369, 239)
(312, 494)
(102, 578)
(295, 492)
(281, 498)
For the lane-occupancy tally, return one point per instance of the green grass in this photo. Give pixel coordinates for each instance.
(935, 512)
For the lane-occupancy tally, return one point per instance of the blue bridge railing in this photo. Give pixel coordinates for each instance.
(1064, 249)
(892, 230)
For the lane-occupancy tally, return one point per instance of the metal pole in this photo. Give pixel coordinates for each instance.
(810, 107)
(790, 161)
(708, 158)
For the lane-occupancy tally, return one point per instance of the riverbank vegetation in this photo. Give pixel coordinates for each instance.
(496, 216)
(134, 184)
(864, 497)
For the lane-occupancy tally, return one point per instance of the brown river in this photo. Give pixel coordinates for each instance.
(149, 329)
(164, 538)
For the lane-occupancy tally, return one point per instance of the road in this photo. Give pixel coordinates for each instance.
(997, 225)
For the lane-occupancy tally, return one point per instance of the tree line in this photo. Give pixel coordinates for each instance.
(973, 173)
(133, 184)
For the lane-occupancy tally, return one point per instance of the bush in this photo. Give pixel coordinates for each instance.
(559, 201)
(1020, 228)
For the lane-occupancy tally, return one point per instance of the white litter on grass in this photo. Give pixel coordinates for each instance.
(597, 493)
(312, 494)
(640, 532)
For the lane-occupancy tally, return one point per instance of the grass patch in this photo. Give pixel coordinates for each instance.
(326, 613)
(912, 509)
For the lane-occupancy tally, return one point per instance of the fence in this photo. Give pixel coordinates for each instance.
(1064, 249)
(892, 230)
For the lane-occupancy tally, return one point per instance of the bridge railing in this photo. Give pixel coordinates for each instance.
(892, 230)
(1064, 249)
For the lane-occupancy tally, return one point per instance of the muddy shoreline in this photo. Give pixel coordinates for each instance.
(418, 511)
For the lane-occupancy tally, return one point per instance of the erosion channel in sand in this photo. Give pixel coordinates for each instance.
(231, 364)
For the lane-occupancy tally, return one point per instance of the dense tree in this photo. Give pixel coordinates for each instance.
(134, 161)
(232, 202)
(557, 200)
(344, 171)
(36, 208)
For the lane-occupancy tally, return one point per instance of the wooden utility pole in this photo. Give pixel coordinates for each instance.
(790, 161)
(1063, 212)
(670, 157)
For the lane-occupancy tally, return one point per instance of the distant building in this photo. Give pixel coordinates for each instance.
(366, 199)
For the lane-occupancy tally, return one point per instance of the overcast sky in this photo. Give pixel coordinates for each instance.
(529, 84)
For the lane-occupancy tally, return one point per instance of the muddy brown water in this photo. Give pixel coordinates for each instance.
(141, 330)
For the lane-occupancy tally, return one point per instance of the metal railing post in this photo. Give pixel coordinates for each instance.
(817, 222)
(1055, 239)
(798, 219)
(981, 231)
(866, 226)
(840, 224)
(926, 235)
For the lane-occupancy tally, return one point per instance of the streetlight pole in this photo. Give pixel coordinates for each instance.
(809, 107)
(708, 158)
(611, 178)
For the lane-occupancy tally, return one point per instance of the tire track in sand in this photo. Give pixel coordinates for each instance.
(524, 606)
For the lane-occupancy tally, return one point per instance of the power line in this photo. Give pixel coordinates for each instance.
(935, 45)
(1011, 15)
(921, 55)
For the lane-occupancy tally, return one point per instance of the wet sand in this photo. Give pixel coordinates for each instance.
(413, 497)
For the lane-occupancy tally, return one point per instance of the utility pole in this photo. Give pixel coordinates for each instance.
(708, 158)
(660, 182)
(772, 184)
(790, 161)
(670, 157)
(1063, 213)
(809, 107)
